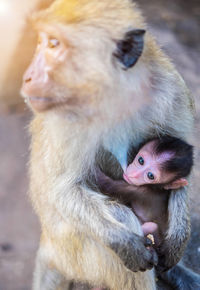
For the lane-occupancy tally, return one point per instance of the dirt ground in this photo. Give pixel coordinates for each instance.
(176, 25)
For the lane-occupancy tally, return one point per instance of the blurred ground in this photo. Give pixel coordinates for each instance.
(176, 25)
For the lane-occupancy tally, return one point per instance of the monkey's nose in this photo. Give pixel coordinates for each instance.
(134, 174)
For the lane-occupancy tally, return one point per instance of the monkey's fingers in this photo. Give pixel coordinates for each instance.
(152, 262)
(148, 242)
(149, 245)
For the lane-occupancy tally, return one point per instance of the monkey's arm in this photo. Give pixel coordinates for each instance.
(178, 232)
(117, 188)
(111, 223)
(179, 123)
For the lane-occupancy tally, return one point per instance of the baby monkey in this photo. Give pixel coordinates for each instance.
(159, 166)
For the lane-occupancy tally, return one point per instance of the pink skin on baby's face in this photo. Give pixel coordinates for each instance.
(146, 167)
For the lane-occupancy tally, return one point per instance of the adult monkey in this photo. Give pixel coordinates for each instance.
(92, 100)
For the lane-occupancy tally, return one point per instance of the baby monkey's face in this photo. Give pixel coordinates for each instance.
(146, 168)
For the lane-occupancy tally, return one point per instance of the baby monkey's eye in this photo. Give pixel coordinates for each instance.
(150, 175)
(141, 160)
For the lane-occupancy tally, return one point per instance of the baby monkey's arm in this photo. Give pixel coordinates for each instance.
(117, 188)
(129, 194)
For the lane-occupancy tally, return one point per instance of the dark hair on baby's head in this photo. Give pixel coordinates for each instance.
(181, 161)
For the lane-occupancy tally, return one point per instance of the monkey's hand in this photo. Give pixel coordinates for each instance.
(111, 224)
(169, 254)
(136, 253)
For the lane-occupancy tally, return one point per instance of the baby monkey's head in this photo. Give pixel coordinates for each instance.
(166, 161)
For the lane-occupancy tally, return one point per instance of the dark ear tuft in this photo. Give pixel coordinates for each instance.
(130, 48)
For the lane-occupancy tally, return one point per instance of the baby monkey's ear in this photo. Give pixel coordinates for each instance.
(176, 184)
(130, 48)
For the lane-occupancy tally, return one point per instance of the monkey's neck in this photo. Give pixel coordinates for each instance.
(66, 147)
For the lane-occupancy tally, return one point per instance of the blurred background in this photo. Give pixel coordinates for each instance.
(175, 24)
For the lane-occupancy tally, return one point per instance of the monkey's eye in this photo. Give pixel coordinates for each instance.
(141, 160)
(53, 42)
(150, 175)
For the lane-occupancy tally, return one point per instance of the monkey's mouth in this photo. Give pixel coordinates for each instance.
(46, 100)
(126, 178)
(40, 103)
(40, 99)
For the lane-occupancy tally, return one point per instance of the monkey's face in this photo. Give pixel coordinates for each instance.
(57, 75)
(147, 167)
(39, 87)
(83, 64)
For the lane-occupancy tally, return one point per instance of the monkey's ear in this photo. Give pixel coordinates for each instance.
(130, 48)
(177, 184)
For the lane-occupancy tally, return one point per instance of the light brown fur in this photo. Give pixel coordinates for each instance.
(104, 105)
